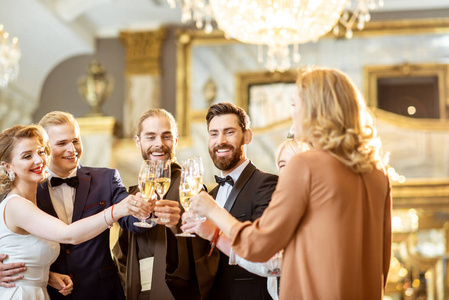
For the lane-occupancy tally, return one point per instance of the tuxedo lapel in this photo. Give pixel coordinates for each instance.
(238, 186)
(214, 191)
(44, 200)
(82, 192)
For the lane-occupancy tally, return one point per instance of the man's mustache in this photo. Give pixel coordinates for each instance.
(161, 149)
(226, 146)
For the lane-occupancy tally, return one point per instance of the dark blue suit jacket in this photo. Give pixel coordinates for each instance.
(90, 264)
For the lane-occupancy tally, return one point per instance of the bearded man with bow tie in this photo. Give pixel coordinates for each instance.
(245, 192)
(74, 192)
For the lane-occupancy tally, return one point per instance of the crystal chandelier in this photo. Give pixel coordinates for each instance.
(277, 24)
(280, 25)
(9, 58)
(198, 11)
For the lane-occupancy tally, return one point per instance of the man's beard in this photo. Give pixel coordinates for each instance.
(146, 155)
(226, 163)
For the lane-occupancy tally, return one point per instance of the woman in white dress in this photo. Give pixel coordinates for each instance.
(30, 235)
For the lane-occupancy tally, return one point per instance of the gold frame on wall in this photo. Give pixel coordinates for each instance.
(371, 75)
(245, 80)
(187, 39)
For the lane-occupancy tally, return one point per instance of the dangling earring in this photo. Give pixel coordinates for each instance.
(11, 175)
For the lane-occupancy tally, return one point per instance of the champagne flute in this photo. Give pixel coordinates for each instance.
(162, 180)
(195, 178)
(184, 196)
(147, 188)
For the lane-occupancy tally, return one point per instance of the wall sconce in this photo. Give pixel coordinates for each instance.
(96, 87)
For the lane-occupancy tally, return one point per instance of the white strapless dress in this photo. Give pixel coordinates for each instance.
(37, 254)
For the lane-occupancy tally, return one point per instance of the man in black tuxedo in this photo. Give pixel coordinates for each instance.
(142, 257)
(245, 192)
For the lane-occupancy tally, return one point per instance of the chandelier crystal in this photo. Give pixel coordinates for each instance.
(280, 25)
(277, 24)
(357, 11)
(198, 11)
(9, 58)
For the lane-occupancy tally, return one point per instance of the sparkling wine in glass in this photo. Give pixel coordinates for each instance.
(162, 180)
(195, 178)
(185, 193)
(147, 187)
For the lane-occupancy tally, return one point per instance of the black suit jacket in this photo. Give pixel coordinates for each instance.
(90, 263)
(212, 277)
(130, 248)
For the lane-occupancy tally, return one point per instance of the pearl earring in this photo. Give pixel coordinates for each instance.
(11, 175)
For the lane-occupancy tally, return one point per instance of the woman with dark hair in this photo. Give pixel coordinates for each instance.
(331, 210)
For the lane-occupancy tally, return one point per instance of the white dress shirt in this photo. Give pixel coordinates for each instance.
(225, 190)
(63, 198)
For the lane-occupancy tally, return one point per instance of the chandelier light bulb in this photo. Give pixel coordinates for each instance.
(198, 11)
(9, 58)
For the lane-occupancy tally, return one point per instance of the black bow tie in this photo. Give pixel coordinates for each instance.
(71, 181)
(222, 181)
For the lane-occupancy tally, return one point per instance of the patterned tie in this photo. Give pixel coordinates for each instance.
(71, 181)
(222, 181)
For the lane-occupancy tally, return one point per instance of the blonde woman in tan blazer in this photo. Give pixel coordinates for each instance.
(331, 210)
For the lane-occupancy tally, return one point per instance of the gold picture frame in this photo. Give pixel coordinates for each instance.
(250, 80)
(186, 40)
(372, 75)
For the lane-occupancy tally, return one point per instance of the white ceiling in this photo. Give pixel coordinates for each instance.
(51, 31)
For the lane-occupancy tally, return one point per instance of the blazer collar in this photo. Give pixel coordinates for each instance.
(44, 200)
(81, 193)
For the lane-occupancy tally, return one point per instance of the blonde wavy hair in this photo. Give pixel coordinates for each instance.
(8, 140)
(294, 145)
(334, 117)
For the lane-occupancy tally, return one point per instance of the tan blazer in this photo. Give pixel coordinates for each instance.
(335, 227)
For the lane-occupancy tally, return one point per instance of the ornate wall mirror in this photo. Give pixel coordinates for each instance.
(212, 69)
(417, 91)
(266, 97)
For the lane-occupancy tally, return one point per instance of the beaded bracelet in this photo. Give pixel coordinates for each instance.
(104, 217)
(112, 216)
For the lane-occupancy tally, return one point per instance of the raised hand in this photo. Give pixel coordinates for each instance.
(202, 204)
(168, 210)
(133, 205)
(204, 229)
